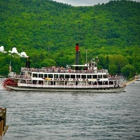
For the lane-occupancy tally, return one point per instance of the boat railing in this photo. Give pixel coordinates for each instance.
(115, 77)
(64, 86)
(20, 76)
(62, 70)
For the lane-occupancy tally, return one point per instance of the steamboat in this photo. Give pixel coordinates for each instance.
(75, 78)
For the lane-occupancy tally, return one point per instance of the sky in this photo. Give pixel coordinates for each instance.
(84, 2)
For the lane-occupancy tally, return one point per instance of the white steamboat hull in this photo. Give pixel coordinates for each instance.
(66, 89)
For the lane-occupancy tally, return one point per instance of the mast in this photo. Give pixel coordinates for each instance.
(86, 55)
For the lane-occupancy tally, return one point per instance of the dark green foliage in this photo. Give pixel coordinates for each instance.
(113, 69)
(129, 71)
(48, 31)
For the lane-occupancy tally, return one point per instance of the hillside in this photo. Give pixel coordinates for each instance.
(48, 31)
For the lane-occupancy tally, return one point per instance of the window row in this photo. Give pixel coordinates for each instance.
(82, 76)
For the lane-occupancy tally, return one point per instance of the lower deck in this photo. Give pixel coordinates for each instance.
(70, 85)
(81, 89)
(76, 83)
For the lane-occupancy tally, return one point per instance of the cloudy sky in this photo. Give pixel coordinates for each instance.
(84, 2)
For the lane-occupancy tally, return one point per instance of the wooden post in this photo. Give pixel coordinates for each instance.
(4, 117)
(3, 127)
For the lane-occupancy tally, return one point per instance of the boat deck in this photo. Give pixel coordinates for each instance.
(62, 70)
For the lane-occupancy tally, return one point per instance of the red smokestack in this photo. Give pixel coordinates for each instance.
(77, 54)
(77, 47)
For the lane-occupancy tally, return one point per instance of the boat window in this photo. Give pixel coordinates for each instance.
(110, 82)
(23, 81)
(34, 75)
(88, 76)
(40, 82)
(99, 76)
(45, 75)
(61, 75)
(94, 76)
(34, 81)
(105, 76)
(105, 83)
(55, 75)
(77, 76)
(67, 76)
(22, 73)
(72, 76)
(29, 82)
(41, 75)
(50, 75)
(83, 76)
(100, 82)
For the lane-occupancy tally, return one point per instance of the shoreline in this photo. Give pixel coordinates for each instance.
(129, 82)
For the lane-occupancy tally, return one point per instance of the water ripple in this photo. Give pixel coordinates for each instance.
(72, 116)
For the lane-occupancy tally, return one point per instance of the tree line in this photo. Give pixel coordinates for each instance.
(48, 31)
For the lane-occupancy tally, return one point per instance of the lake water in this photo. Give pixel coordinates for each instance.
(72, 116)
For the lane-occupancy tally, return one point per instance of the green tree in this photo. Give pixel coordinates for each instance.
(47, 63)
(128, 71)
(113, 69)
(4, 70)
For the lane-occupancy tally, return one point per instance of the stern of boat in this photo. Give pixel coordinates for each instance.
(9, 82)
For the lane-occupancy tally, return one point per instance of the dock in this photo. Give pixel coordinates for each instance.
(129, 82)
(3, 126)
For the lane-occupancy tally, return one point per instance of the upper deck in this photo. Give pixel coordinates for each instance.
(61, 70)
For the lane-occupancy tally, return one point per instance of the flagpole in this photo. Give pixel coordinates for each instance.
(10, 67)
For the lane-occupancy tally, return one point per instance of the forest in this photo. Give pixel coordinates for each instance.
(48, 31)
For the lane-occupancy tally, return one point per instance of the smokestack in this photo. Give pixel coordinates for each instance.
(28, 63)
(77, 53)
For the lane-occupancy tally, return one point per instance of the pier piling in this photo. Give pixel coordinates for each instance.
(3, 126)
